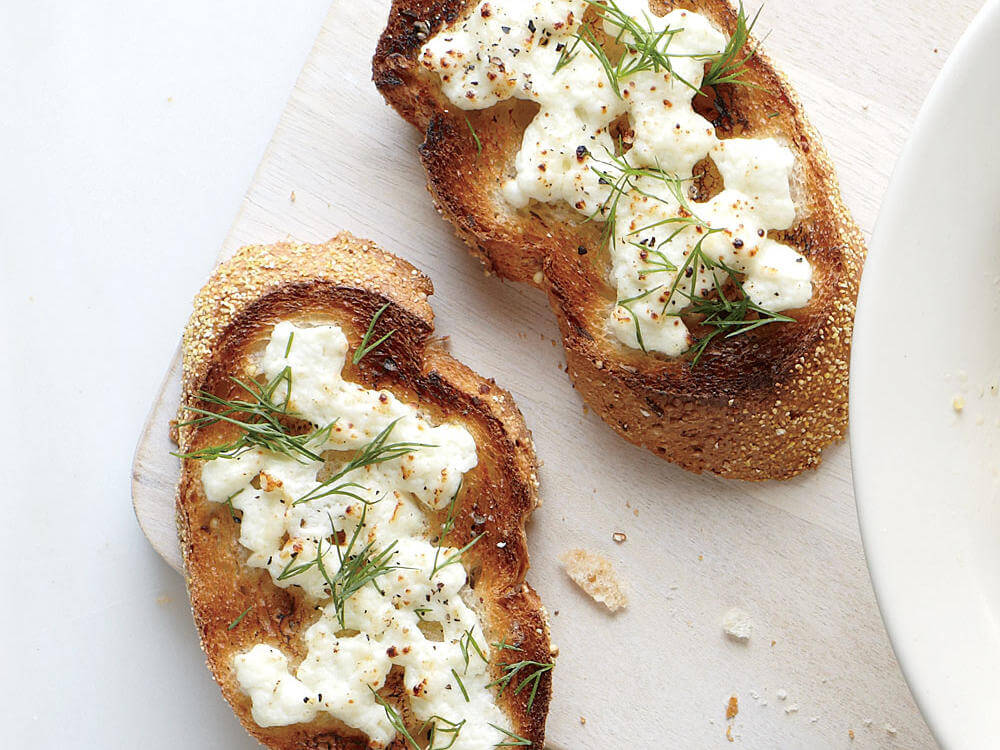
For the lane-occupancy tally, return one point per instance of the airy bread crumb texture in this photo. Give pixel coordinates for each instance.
(595, 575)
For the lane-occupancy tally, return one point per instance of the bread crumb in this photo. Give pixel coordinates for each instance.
(729, 733)
(793, 708)
(733, 707)
(867, 722)
(850, 734)
(538, 278)
(292, 197)
(583, 720)
(958, 403)
(594, 574)
(890, 729)
(782, 694)
(737, 624)
(163, 599)
(619, 537)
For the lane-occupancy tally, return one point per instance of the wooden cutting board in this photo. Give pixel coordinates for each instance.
(661, 673)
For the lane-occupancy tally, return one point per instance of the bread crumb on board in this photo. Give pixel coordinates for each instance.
(732, 707)
(737, 624)
(595, 575)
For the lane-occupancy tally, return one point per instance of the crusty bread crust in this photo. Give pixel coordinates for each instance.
(757, 406)
(346, 281)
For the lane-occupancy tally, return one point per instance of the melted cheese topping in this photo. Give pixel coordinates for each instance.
(381, 629)
(512, 49)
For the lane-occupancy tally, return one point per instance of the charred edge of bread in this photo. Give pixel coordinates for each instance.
(758, 406)
(346, 281)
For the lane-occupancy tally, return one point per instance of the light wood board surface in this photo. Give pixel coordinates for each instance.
(661, 673)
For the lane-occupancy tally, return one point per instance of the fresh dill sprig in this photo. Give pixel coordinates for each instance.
(728, 317)
(475, 137)
(457, 557)
(622, 178)
(502, 645)
(467, 644)
(730, 65)
(228, 502)
(436, 725)
(395, 720)
(261, 424)
(446, 528)
(449, 522)
(513, 740)
(375, 452)
(534, 671)
(364, 348)
(357, 568)
(625, 304)
(239, 619)
(646, 47)
(461, 686)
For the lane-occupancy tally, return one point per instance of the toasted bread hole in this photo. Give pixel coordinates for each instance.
(621, 133)
(521, 112)
(707, 182)
(433, 631)
(255, 482)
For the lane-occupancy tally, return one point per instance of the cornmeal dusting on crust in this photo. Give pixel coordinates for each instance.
(256, 269)
(596, 576)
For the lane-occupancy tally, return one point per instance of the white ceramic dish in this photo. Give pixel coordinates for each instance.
(927, 475)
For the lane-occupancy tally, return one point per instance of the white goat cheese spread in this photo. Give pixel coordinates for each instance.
(530, 49)
(350, 653)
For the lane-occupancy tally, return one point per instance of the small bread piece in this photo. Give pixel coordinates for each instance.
(237, 607)
(757, 406)
(595, 575)
(737, 624)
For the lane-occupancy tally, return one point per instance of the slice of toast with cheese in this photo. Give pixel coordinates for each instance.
(351, 511)
(650, 170)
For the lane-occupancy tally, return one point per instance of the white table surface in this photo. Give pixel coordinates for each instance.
(129, 131)
(128, 135)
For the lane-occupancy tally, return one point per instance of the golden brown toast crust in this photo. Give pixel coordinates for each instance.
(757, 406)
(346, 281)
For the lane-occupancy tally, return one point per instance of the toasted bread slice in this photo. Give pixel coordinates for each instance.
(346, 282)
(757, 406)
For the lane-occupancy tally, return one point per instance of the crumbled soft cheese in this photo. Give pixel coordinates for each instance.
(341, 667)
(512, 49)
